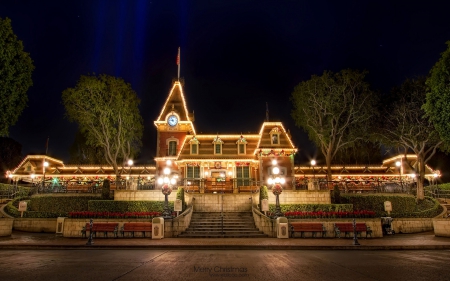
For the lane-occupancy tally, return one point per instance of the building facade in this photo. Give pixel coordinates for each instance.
(208, 163)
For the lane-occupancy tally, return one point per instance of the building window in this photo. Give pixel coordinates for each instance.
(242, 145)
(193, 172)
(194, 148)
(217, 142)
(275, 136)
(243, 176)
(275, 139)
(172, 148)
(194, 145)
(218, 148)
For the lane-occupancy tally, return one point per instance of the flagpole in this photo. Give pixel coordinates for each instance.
(178, 63)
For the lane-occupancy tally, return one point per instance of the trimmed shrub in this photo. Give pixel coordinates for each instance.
(180, 195)
(313, 208)
(403, 205)
(336, 195)
(19, 191)
(60, 205)
(263, 194)
(127, 206)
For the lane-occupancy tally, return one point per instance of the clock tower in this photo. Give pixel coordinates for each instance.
(173, 124)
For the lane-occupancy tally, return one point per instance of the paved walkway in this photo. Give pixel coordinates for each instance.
(421, 241)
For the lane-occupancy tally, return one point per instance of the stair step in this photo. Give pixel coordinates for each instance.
(222, 225)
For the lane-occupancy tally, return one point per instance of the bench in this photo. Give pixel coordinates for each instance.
(347, 228)
(104, 227)
(136, 227)
(303, 227)
(78, 188)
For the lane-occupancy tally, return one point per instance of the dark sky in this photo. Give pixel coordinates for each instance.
(236, 55)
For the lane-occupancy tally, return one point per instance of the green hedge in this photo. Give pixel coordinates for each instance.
(11, 208)
(60, 205)
(127, 206)
(403, 205)
(313, 207)
(21, 191)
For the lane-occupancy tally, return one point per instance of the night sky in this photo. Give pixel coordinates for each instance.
(236, 55)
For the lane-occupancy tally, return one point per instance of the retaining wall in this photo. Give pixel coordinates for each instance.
(6, 225)
(412, 225)
(35, 225)
(441, 227)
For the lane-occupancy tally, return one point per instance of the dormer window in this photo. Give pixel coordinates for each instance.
(217, 142)
(275, 136)
(194, 145)
(241, 145)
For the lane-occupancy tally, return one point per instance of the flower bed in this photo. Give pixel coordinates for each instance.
(114, 215)
(331, 215)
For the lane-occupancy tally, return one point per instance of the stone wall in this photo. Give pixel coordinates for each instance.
(264, 223)
(302, 197)
(174, 227)
(441, 227)
(210, 202)
(6, 225)
(412, 225)
(35, 225)
(142, 195)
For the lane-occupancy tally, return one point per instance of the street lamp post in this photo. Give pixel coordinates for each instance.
(167, 182)
(313, 163)
(276, 181)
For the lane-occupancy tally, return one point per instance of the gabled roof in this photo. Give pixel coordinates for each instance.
(265, 143)
(176, 104)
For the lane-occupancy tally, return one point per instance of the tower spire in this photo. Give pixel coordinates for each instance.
(267, 112)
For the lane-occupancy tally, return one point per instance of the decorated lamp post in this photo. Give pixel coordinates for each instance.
(167, 181)
(276, 181)
(313, 164)
(130, 163)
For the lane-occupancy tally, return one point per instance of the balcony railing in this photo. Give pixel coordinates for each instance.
(219, 186)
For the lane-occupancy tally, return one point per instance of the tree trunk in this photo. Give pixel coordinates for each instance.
(421, 179)
(328, 161)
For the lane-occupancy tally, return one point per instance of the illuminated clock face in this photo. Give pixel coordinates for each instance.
(172, 120)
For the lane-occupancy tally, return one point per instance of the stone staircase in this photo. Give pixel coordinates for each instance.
(235, 225)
